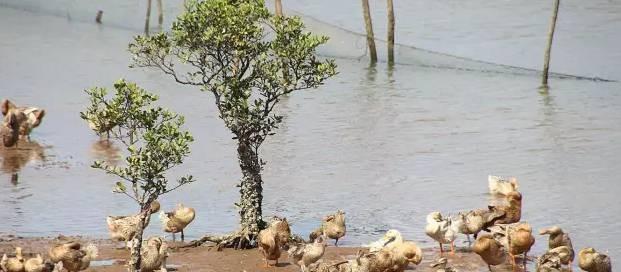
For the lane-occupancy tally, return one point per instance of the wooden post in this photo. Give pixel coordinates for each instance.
(546, 58)
(146, 22)
(278, 8)
(369, 27)
(391, 33)
(99, 16)
(160, 18)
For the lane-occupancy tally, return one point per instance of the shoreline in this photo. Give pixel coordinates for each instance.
(208, 259)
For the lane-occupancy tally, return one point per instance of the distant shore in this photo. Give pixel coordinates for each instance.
(207, 259)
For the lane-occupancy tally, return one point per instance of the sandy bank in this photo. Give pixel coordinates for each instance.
(207, 259)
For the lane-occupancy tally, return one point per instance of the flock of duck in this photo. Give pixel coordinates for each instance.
(505, 238)
(505, 235)
(71, 256)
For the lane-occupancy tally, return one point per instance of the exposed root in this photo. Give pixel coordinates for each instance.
(236, 240)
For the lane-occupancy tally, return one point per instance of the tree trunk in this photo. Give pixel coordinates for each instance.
(146, 21)
(391, 33)
(136, 246)
(546, 58)
(251, 192)
(278, 4)
(369, 27)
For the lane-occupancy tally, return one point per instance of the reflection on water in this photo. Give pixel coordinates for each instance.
(105, 150)
(387, 146)
(15, 158)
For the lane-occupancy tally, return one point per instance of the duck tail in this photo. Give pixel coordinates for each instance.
(92, 251)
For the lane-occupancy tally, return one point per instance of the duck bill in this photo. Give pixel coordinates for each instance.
(544, 231)
(387, 240)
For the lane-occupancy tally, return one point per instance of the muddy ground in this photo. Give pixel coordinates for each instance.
(207, 259)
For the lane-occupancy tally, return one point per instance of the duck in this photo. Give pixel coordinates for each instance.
(282, 229)
(13, 264)
(177, 220)
(333, 226)
(390, 238)
(405, 253)
(124, 228)
(592, 261)
(565, 253)
(517, 239)
(558, 238)
(502, 186)
(304, 255)
(490, 250)
(33, 116)
(37, 264)
(153, 255)
(100, 125)
(441, 265)
(364, 262)
(269, 244)
(9, 130)
(72, 256)
(475, 221)
(513, 210)
(549, 262)
(443, 230)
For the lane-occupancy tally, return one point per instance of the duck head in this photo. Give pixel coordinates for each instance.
(434, 217)
(391, 236)
(551, 230)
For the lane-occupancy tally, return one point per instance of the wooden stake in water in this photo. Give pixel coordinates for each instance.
(391, 33)
(146, 22)
(546, 58)
(160, 18)
(278, 8)
(99, 16)
(369, 27)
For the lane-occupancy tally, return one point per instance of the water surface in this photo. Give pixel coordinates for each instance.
(386, 145)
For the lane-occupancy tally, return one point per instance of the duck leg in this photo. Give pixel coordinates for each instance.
(441, 249)
(489, 267)
(173, 237)
(524, 262)
(182, 236)
(452, 248)
(469, 242)
(336, 244)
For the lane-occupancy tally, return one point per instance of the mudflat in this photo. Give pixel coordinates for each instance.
(208, 259)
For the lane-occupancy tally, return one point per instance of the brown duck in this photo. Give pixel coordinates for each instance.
(513, 209)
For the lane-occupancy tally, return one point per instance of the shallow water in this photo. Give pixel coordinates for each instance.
(386, 145)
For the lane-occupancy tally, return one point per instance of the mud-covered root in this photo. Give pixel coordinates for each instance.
(326, 267)
(236, 240)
